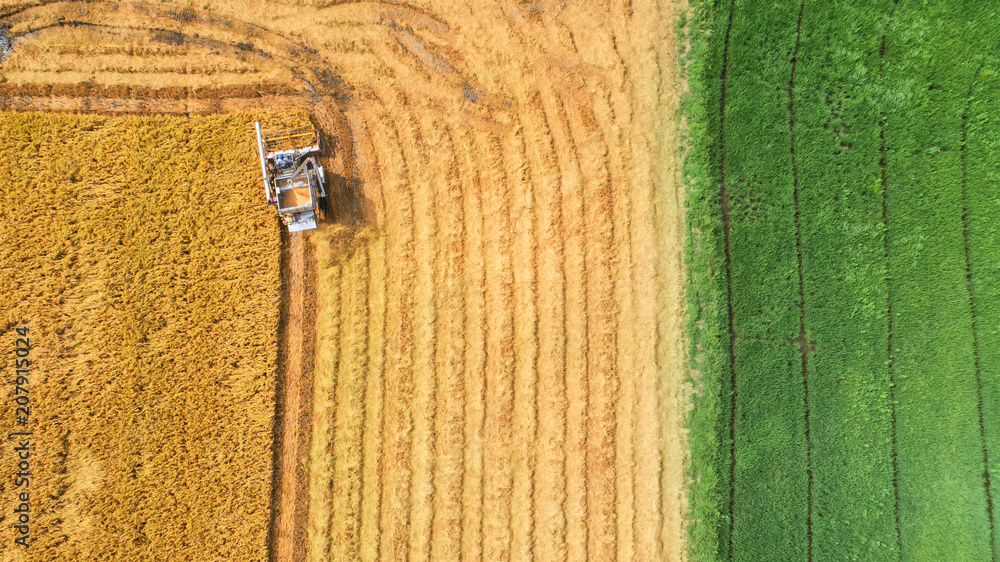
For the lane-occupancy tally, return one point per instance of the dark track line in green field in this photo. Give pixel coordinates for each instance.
(975, 323)
(801, 340)
(888, 290)
(726, 228)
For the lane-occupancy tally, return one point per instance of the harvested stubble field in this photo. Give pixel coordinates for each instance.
(487, 369)
(498, 365)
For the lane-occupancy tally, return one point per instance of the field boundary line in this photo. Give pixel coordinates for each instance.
(802, 340)
(883, 164)
(727, 218)
(972, 308)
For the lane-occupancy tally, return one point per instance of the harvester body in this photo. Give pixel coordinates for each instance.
(293, 181)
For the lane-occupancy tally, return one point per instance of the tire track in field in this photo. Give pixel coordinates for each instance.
(446, 530)
(888, 287)
(417, 134)
(975, 322)
(611, 127)
(348, 432)
(324, 408)
(291, 515)
(398, 406)
(371, 495)
(802, 341)
(474, 479)
(577, 332)
(598, 209)
(550, 453)
(498, 485)
(727, 219)
(525, 411)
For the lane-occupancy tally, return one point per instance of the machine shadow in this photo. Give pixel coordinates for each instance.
(346, 203)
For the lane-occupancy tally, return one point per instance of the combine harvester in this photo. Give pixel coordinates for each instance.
(293, 181)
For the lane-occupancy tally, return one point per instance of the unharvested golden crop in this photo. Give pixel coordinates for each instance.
(138, 253)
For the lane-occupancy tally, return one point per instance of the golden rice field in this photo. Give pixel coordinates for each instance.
(484, 348)
(136, 253)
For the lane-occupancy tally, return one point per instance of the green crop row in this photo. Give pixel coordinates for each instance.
(838, 153)
(770, 504)
(930, 65)
(982, 203)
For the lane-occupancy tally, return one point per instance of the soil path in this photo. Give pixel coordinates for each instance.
(291, 500)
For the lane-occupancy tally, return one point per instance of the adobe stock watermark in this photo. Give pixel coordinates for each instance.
(21, 437)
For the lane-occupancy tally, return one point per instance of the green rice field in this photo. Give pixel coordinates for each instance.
(844, 279)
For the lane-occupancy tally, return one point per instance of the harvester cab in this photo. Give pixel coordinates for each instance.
(293, 181)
